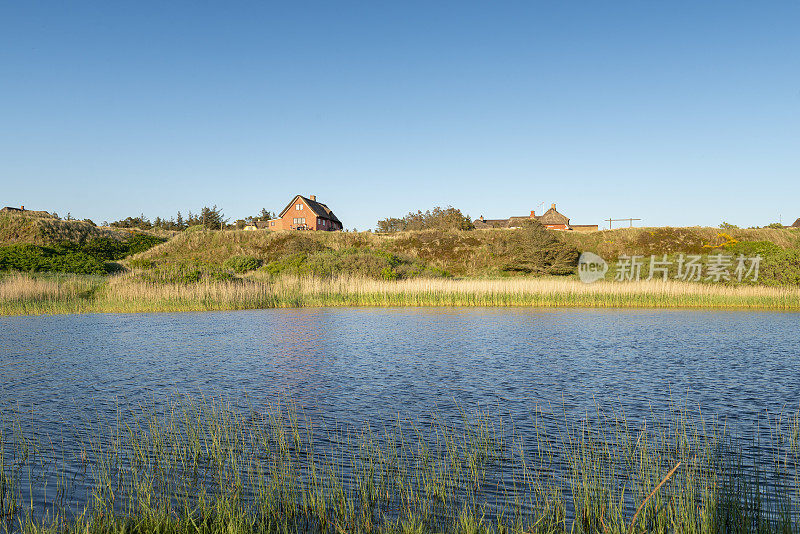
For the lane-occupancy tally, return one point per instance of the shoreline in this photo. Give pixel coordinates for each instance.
(22, 294)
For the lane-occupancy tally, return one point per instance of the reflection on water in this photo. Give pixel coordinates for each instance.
(351, 366)
(357, 365)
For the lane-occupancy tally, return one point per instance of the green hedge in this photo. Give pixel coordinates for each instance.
(33, 258)
(89, 257)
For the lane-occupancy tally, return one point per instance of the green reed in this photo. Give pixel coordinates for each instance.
(205, 467)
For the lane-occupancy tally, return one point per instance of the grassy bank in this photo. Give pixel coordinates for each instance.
(26, 294)
(474, 254)
(207, 468)
(231, 269)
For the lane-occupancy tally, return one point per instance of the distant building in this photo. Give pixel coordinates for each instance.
(796, 224)
(551, 219)
(301, 214)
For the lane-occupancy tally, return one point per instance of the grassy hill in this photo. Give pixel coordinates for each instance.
(476, 253)
(34, 243)
(236, 269)
(431, 253)
(667, 240)
(36, 230)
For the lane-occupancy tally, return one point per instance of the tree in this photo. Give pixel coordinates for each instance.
(265, 215)
(536, 250)
(133, 222)
(448, 218)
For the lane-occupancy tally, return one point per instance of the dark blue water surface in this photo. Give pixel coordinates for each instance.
(67, 374)
(367, 365)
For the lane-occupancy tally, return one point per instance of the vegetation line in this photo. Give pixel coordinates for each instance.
(25, 294)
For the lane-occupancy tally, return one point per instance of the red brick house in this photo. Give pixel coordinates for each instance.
(551, 219)
(303, 214)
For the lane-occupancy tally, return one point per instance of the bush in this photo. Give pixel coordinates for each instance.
(241, 264)
(141, 263)
(778, 267)
(376, 264)
(102, 248)
(534, 249)
(448, 218)
(33, 258)
(140, 242)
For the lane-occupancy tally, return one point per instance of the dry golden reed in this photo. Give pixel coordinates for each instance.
(23, 294)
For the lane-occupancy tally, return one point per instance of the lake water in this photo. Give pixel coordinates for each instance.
(351, 366)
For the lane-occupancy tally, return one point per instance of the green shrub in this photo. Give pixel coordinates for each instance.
(141, 263)
(388, 274)
(33, 258)
(220, 276)
(376, 264)
(778, 267)
(140, 242)
(103, 248)
(448, 218)
(536, 250)
(241, 264)
(93, 256)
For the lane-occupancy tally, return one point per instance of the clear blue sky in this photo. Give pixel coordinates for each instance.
(680, 113)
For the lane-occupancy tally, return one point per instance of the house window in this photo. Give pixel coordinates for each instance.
(298, 207)
(272, 223)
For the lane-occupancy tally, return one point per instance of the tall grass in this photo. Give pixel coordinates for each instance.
(33, 294)
(204, 467)
(128, 293)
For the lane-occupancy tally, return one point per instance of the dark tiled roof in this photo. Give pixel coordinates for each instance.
(319, 209)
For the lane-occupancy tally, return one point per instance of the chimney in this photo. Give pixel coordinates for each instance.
(313, 198)
(22, 208)
(553, 207)
(533, 214)
(481, 218)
